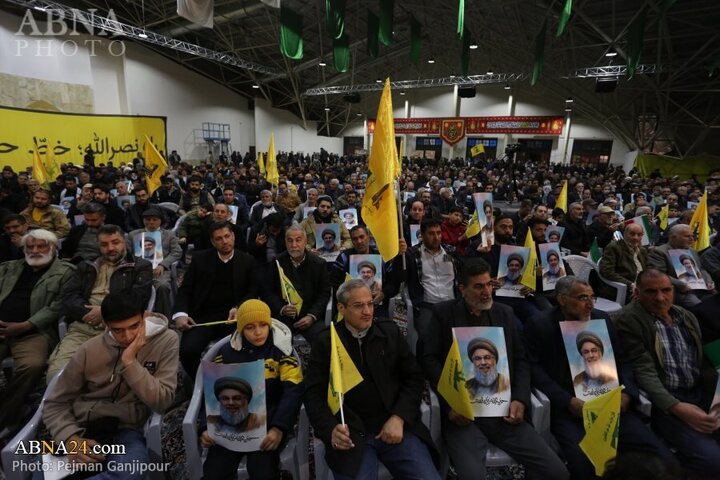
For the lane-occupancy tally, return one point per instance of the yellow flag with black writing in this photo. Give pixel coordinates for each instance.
(39, 173)
(561, 201)
(379, 208)
(51, 165)
(477, 150)
(289, 291)
(601, 419)
(452, 383)
(261, 163)
(700, 225)
(473, 227)
(344, 375)
(663, 216)
(155, 166)
(340, 315)
(273, 177)
(529, 276)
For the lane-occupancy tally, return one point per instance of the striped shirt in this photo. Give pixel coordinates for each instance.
(679, 354)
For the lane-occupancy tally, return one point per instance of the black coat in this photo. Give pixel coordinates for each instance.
(392, 369)
(199, 279)
(549, 363)
(454, 313)
(575, 236)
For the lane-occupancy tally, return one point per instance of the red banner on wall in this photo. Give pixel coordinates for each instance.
(548, 125)
(452, 130)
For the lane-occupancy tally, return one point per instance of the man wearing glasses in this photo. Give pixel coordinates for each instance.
(551, 375)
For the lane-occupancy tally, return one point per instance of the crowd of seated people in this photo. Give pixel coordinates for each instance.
(92, 249)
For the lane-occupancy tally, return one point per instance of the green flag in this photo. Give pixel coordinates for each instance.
(465, 55)
(341, 54)
(567, 10)
(291, 25)
(539, 54)
(335, 17)
(461, 18)
(415, 40)
(386, 22)
(373, 30)
(595, 251)
(635, 35)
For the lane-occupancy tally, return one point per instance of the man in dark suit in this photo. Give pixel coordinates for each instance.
(217, 280)
(308, 274)
(382, 412)
(467, 441)
(551, 374)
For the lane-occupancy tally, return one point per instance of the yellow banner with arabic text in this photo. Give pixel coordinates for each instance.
(113, 138)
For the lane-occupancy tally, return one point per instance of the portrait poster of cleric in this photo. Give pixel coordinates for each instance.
(686, 270)
(553, 267)
(367, 268)
(591, 358)
(148, 245)
(554, 234)
(327, 240)
(486, 369)
(349, 216)
(415, 238)
(484, 207)
(235, 404)
(513, 262)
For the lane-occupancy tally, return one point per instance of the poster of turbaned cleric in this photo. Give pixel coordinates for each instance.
(554, 234)
(484, 207)
(513, 262)
(485, 369)
(349, 216)
(327, 240)
(148, 245)
(367, 268)
(553, 267)
(686, 269)
(591, 357)
(415, 235)
(235, 404)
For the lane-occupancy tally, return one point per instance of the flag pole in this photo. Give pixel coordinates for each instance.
(401, 229)
(342, 412)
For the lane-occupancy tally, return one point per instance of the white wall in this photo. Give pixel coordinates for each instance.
(289, 132)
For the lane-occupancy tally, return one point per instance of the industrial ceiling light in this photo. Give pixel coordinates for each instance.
(569, 100)
(611, 53)
(327, 109)
(568, 109)
(473, 46)
(378, 81)
(256, 85)
(507, 86)
(358, 114)
(142, 35)
(322, 63)
(402, 92)
(490, 71)
(431, 61)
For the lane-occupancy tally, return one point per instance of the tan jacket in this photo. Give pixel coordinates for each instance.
(53, 219)
(96, 384)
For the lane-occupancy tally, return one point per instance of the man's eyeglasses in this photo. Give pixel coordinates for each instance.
(585, 298)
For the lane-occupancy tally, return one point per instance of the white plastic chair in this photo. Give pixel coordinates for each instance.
(291, 458)
(173, 207)
(582, 267)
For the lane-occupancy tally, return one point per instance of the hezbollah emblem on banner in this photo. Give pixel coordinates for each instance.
(452, 131)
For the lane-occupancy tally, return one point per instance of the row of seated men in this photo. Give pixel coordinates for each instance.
(662, 341)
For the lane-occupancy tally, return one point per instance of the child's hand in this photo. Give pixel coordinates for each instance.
(272, 440)
(205, 440)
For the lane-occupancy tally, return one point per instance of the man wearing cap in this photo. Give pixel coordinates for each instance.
(171, 253)
(234, 395)
(591, 348)
(115, 270)
(324, 214)
(603, 227)
(483, 354)
(551, 374)
(468, 440)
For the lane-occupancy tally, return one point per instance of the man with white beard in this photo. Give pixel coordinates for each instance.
(487, 381)
(591, 348)
(515, 265)
(551, 374)
(234, 395)
(31, 293)
(467, 441)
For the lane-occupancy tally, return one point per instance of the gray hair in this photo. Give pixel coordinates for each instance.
(573, 205)
(674, 231)
(295, 228)
(266, 191)
(566, 283)
(643, 211)
(343, 293)
(41, 235)
(312, 190)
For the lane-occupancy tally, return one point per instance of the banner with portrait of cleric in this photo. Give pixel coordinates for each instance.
(484, 208)
(235, 404)
(553, 267)
(368, 268)
(486, 370)
(512, 265)
(148, 245)
(686, 269)
(591, 357)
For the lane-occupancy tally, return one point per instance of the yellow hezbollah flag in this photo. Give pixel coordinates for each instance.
(561, 201)
(473, 227)
(344, 374)
(477, 150)
(663, 216)
(398, 164)
(601, 418)
(288, 289)
(452, 383)
(261, 163)
(114, 138)
(155, 166)
(273, 177)
(379, 209)
(529, 276)
(38, 171)
(700, 226)
(51, 165)
(340, 315)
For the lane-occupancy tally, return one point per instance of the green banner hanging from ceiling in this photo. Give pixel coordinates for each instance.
(335, 17)
(415, 40)
(465, 54)
(564, 17)
(539, 54)
(373, 30)
(341, 54)
(386, 22)
(635, 35)
(461, 18)
(291, 25)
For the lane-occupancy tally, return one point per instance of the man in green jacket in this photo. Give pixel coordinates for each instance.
(665, 347)
(31, 292)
